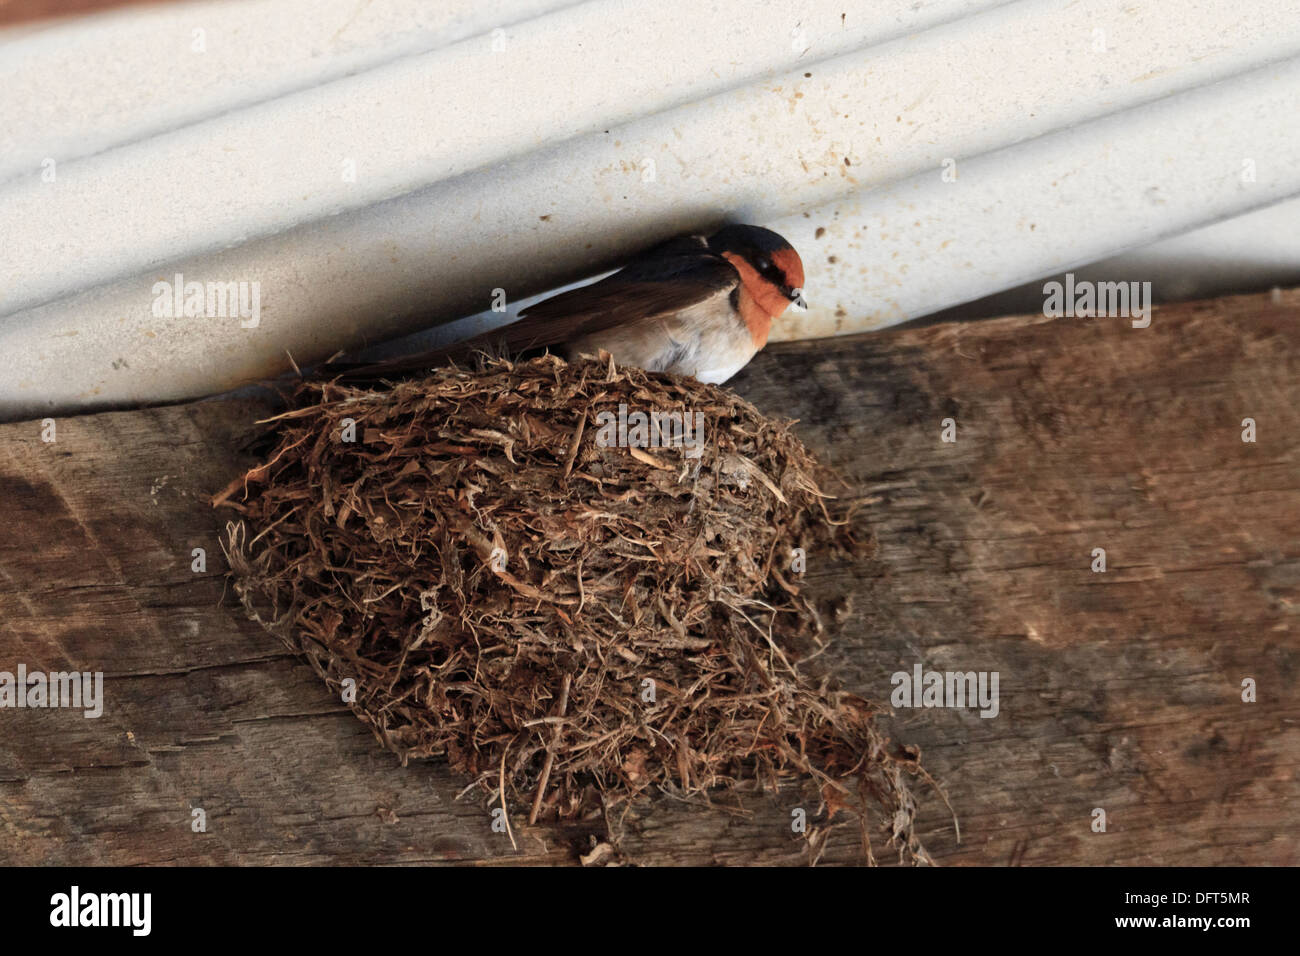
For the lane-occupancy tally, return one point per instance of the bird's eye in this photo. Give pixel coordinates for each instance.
(764, 265)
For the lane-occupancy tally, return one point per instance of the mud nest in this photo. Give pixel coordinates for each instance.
(486, 569)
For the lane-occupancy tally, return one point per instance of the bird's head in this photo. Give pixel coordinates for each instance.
(769, 267)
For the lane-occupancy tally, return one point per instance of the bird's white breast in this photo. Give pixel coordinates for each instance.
(707, 341)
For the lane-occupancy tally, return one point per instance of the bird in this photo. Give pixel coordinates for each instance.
(697, 306)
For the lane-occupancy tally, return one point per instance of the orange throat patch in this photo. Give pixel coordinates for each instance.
(759, 301)
(756, 318)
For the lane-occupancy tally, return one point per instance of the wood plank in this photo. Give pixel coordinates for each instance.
(1119, 690)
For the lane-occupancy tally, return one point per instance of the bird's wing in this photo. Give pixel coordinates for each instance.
(668, 279)
(640, 292)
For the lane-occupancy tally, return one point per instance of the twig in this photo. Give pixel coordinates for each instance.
(501, 788)
(550, 752)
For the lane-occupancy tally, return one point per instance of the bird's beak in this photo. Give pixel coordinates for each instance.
(796, 296)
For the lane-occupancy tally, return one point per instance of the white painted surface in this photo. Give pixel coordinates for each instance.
(80, 87)
(1077, 131)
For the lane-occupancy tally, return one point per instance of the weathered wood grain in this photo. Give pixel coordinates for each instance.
(1119, 690)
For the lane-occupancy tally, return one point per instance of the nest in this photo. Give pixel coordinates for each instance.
(576, 615)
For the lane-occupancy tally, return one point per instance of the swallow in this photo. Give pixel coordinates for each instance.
(696, 306)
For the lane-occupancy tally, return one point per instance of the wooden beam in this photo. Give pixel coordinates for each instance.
(1119, 690)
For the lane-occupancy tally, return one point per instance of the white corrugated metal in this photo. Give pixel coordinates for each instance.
(399, 166)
